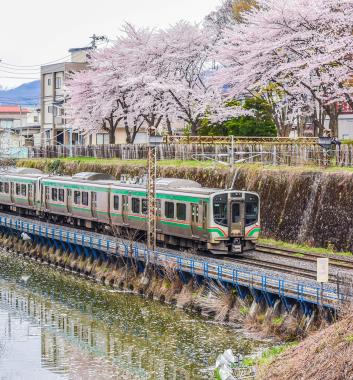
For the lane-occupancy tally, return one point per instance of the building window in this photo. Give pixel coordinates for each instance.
(35, 119)
(102, 138)
(169, 210)
(116, 202)
(61, 195)
(135, 205)
(85, 198)
(181, 211)
(58, 83)
(77, 197)
(50, 109)
(49, 81)
(54, 194)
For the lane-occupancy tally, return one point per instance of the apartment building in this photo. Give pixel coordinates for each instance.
(54, 129)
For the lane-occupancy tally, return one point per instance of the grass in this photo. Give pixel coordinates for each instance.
(185, 163)
(268, 355)
(119, 162)
(303, 248)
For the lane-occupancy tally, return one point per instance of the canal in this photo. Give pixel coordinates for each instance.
(54, 325)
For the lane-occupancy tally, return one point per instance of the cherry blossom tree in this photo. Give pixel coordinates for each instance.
(182, 67)
(301, 48)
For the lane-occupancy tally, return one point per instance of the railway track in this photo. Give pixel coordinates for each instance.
(283, 268)
(341, 263)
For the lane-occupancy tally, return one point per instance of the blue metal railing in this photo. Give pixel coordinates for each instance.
(302, 292)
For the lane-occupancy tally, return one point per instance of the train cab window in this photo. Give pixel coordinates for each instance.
(85, 198)
(23, 190)
(144, 206)
(18, 189)
(135, 205)
(61, 195)
(235, 212)
(220, 209)
(77, 197)
(251, 209)
(116, 202)
(54, 194)
(7, 187)
(169, 210)
(181, 211)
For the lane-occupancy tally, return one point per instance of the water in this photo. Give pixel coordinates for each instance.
(58, 326)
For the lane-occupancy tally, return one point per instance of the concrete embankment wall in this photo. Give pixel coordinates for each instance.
(300, 206)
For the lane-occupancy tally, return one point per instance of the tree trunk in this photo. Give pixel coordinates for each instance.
(111, 135)
(334, 125)
(169, 127)
(127, 131)
(195, 125)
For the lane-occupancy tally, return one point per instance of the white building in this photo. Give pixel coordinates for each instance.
(53, 124)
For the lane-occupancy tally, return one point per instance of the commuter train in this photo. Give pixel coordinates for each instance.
(188, 215)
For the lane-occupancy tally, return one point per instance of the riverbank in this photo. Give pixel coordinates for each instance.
(327, 354)
(72, 328)
(301, 205)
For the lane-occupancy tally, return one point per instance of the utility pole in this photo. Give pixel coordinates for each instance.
(96, 38)
(151, 188)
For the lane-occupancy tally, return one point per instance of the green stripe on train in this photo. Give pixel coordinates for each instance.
(254, 231)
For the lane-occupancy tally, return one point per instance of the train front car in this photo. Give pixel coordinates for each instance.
(234, 222)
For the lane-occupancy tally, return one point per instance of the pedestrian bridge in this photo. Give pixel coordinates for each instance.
(259, 284)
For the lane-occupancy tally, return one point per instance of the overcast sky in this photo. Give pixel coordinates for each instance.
(39, 31)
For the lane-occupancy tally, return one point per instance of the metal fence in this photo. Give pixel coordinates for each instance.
(274, 154)
(209, 269)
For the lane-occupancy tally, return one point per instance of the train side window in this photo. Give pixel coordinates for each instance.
(1, 187)
(30, 190)
(77, 197)
(46, 192)
(144, 206)
(135, 205)
(181, 211)
(116, 202)
(18, 189)
(169, 210)
(251, 209)
(54, 194)
(61, 195)
(7, 187)
(23, 190)
(85, 198)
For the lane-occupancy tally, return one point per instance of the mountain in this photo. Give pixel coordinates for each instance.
(28, 94)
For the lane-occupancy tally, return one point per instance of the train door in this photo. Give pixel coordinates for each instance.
(94, 204)
(69, 201)
(204, 218)
(30, 194)
(194, 218)
(236, 218)
(12, 191)
(125, 208)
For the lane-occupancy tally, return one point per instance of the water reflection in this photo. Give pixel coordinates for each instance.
(57, 326)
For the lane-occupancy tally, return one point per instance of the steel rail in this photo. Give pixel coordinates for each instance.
(342, 263)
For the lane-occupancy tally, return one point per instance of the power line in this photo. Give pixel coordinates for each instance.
(39, 65)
